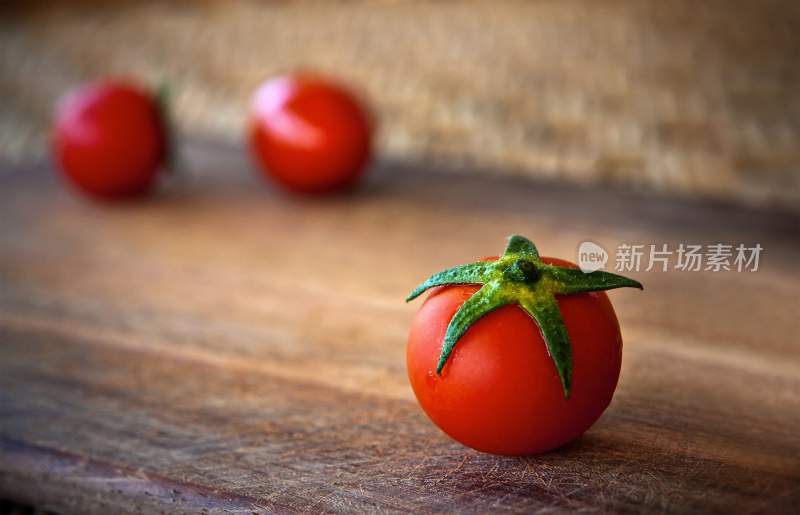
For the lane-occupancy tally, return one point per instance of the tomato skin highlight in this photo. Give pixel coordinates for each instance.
(500, 392)
(109, 139)
(309, 134)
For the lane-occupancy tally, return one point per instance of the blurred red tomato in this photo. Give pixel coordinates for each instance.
(109, 139)
(309, 134)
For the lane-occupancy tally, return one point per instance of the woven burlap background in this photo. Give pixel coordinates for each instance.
(692, 98)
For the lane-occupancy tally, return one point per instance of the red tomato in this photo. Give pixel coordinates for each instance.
(309, 134)
(500, 392)
(109, 139)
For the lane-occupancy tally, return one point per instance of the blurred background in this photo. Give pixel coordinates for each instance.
(694, 99)
(224, 335)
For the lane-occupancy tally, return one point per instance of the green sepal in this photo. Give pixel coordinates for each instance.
(520, 245)
(482, 302)
(462, 274)
(571, 280)
(554, 332)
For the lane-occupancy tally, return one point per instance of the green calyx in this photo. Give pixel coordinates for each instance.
(520, 277)
(163, 99)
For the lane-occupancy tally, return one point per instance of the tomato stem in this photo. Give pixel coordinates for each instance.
(520, 277)
(523, 271)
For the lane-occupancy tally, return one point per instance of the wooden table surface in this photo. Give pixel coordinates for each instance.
(223, 347)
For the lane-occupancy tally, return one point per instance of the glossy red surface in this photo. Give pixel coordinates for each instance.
(109, 139)
(309, 134)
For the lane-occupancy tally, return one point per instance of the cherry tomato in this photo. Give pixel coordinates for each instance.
(109, 139)
(309, 134)
(500, 392)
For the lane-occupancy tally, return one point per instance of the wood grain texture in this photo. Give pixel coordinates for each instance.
(224, 348)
